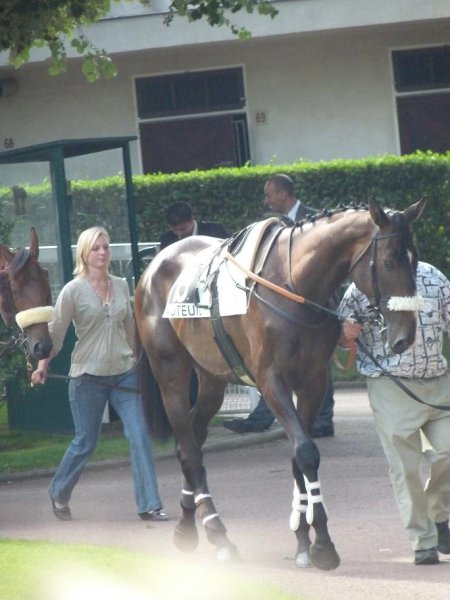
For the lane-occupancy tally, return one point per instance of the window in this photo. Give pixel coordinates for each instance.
(422, 69)
(188, 93)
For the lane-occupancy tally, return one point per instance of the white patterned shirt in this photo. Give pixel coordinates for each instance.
(424, 359)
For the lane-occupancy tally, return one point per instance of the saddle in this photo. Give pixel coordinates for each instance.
(209, 273)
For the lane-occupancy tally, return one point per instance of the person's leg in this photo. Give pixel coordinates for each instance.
(398, 420)
(258, 420)
(437, 488)
(129, 407)
(87, 403)
(261, 414)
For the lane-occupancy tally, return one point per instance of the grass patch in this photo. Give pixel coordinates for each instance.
(28, 450)
(31, 570)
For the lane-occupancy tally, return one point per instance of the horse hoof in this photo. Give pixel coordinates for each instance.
(302, 560)
(324, 557)
(227, 554)
(186, 539)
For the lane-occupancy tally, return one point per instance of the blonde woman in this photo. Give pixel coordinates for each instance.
(101, 370)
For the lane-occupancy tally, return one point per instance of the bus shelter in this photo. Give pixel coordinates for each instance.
(51, 207)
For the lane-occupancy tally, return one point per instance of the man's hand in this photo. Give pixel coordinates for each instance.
(350, 331)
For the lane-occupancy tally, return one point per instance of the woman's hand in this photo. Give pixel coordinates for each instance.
(39, 376)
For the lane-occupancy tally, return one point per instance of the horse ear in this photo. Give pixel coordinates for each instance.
(413, 212)
(34, 244)
(377, 213)
(6, 256)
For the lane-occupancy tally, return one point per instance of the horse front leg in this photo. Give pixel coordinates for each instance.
(297, 423)
(322, 552)
(297, 521)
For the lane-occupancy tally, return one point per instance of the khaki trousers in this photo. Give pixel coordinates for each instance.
(401, 424)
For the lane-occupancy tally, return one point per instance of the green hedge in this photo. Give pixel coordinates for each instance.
(234, 197)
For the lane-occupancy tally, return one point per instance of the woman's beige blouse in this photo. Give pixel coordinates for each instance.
(105, 336)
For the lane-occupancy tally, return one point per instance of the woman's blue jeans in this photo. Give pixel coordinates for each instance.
(88, 396)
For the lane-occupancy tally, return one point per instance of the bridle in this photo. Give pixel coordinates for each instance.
(377, 298)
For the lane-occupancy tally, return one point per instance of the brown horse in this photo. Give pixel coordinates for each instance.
(285, 344)
(25, 296)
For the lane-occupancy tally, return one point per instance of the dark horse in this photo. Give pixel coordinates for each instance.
(285, 344)
(25, 296)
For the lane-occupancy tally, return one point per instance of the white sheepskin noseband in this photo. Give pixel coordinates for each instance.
(40, 314)
(410, 303)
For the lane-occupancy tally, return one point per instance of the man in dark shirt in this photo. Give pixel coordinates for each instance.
(180, 218)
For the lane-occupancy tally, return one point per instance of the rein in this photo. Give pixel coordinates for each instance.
(278, 289)
(302, 300)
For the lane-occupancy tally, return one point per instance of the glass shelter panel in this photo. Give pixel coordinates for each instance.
(26, 205)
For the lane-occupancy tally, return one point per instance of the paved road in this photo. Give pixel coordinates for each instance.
(252, 490)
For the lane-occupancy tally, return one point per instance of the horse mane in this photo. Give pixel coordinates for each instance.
(326, 213)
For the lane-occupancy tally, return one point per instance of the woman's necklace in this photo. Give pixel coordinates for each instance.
(104, 300)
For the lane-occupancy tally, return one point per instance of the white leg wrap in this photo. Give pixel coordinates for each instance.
(209, 517)
(299, 506)
(201, 497)
(313, 499)
(187, 492)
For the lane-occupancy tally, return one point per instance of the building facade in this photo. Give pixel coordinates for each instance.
(325, 79)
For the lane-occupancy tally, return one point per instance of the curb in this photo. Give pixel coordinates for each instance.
(211, 445)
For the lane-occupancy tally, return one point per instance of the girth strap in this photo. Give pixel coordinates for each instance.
(224, 341)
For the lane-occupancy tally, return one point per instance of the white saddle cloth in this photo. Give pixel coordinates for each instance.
(190, 295)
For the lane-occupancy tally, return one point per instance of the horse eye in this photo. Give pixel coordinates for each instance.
(389, 264)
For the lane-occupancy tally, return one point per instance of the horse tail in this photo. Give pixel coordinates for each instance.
(154, 410)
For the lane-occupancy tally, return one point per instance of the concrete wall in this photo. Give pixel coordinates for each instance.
(326, 94)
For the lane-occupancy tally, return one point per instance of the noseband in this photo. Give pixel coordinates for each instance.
(393, 303)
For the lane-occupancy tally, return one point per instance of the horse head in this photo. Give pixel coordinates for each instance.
(25, 295)
(385, 271)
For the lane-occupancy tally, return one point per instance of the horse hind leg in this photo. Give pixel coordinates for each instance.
(185, 536)
(195, 497)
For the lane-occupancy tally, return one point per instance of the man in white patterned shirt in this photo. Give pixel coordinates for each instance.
(401, 421)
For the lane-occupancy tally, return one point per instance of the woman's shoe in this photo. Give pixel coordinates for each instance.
(154, 515)
(61, 512)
